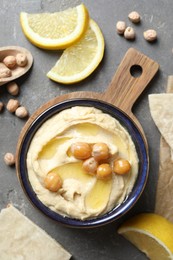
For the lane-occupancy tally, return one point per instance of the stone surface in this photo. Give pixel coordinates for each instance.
(35, 89)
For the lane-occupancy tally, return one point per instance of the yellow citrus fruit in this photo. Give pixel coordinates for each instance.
(55, 30)
(150, 233)
(80, 60)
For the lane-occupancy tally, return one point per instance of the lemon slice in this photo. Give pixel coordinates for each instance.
(80, 60)
(150, 233)
(55, 30)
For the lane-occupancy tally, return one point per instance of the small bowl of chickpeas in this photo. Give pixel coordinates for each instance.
(83, 163)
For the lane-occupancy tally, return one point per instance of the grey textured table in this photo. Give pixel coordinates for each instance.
(35, 89)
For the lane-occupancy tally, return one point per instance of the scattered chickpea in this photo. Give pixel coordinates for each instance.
(9, 159)
(90, 165)
(100, 151)
(12, 105)
(21, 59)
(129, 33)
(134, 17)
(13, 88)
(5, 72)
(1, 106)
(10, 61)
(150, 35)
(81, 150)
(104, 171)
(121, 26)
(121, 166)
(21, 112)
(53, 182)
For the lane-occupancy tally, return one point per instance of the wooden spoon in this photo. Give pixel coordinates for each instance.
(17, 71)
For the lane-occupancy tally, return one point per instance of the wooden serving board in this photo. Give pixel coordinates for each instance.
(122, 91)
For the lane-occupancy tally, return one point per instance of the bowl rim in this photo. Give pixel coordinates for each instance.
(126, 122)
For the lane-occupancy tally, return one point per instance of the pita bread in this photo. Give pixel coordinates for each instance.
(21, 239)
(164, 191)
(161, 108)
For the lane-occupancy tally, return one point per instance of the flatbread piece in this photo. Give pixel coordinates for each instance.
(21, 239)
(161, 108)
(164, 191)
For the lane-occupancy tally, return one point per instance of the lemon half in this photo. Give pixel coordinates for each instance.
(150, 233)
(55, 30)
(80, 60)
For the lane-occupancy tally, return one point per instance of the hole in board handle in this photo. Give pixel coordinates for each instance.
(136, 71)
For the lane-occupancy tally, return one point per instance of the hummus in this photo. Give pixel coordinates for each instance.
(82, 195)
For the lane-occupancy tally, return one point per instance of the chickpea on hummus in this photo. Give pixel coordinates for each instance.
(76, 192)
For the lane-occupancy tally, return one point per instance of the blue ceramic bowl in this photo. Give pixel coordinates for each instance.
(141, 149)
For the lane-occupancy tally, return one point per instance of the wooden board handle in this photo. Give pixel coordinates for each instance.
(125, 88)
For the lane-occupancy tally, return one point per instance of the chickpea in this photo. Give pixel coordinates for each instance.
(129, 33)
(12, 105)
(90, 165)
(5, 72)
(100, 151)
(81, 150)
(53, 182)
(120, 26)
(10, 61)
(13, 88)
(21, 112)
(9, 159)
(150, 35)
(104, 171)
(121, 166)
(134, 17)
(1, 106)
(21, 59)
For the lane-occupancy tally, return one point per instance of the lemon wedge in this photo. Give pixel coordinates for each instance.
(80, 60)
(55, 30)
(150, 233)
